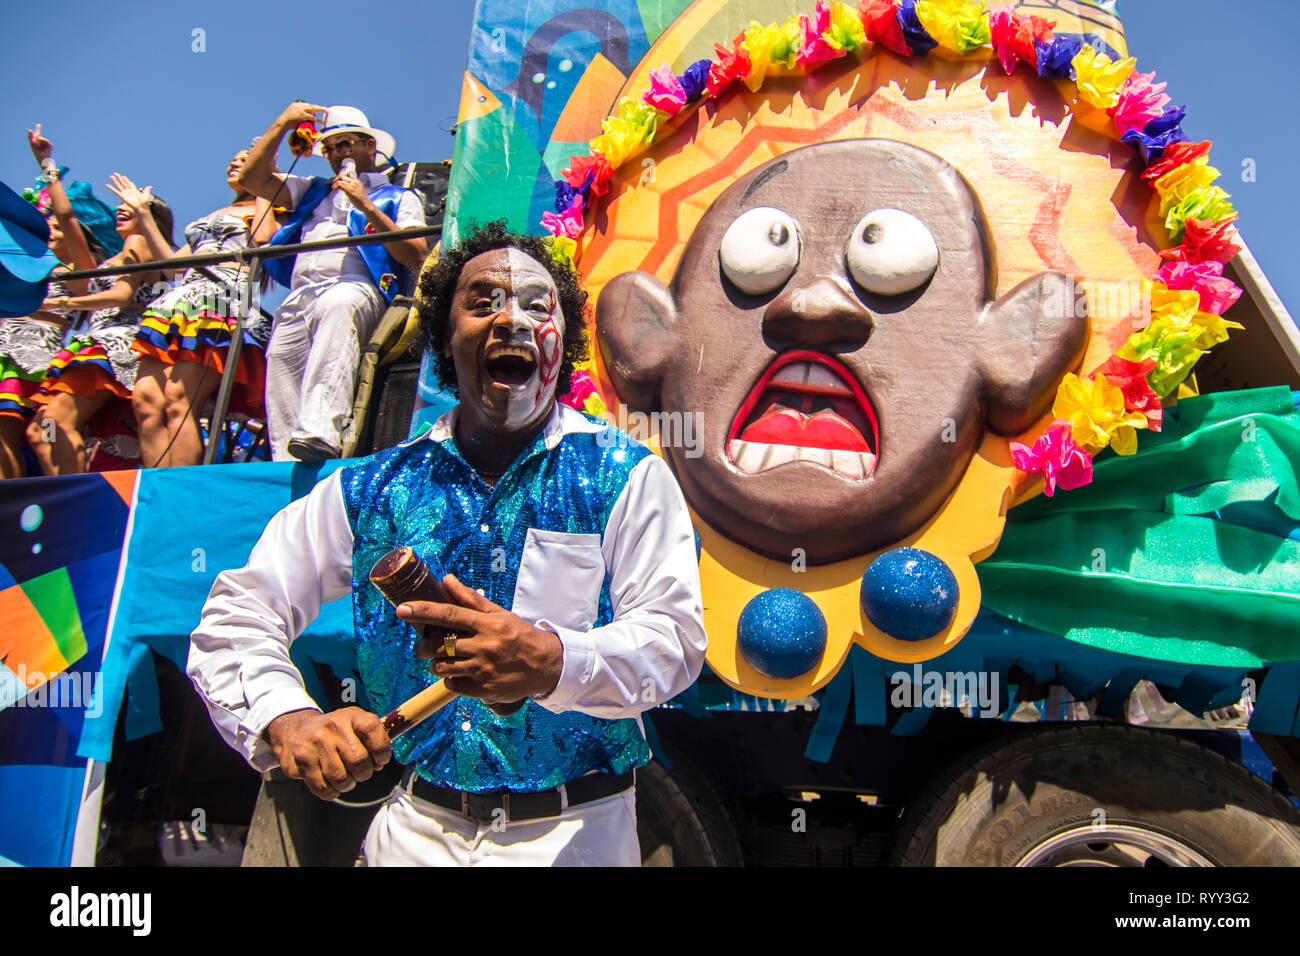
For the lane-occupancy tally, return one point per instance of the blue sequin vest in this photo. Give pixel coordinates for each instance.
(424, 495)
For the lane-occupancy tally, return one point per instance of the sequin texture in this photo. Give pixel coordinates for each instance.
(424, 495)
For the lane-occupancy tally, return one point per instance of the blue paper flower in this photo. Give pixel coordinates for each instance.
(695, 78)
(913, 32)
(1158, 135)
(1055, 58)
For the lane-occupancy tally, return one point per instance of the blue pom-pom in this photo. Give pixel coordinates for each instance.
(782, 633)
(909, 594)
(699, 547)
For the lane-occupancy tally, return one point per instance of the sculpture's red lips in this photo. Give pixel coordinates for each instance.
(806, 407)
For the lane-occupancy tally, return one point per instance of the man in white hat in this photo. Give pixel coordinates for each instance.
(337, 296)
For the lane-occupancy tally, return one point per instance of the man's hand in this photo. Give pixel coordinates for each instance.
(331, 752)
(354, 189)
(296, 113)
(500, 657)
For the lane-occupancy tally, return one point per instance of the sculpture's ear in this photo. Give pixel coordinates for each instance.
(1028, 340)
(635, 317)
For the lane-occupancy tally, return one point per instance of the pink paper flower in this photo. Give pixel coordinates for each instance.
(567, 223)
(1056, 457)
(815, 49)
(666, 91)
(1216, 290)
(580, 389)
(1140, 101)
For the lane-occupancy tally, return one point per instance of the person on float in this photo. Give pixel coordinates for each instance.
(185, 336)
(87, 389)
(28, 345)
(571, 556)
(337, 296)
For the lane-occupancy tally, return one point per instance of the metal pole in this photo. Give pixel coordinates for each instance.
(217, 423)
(245, 255)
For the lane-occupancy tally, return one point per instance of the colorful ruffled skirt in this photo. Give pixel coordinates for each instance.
(94, 361)
(27, 347)
(193, 323)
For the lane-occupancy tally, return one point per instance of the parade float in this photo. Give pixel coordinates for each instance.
(982, 410)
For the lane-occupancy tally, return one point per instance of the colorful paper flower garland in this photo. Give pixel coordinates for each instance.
(1188, 295)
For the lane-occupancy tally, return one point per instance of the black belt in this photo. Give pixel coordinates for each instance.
(518, 805)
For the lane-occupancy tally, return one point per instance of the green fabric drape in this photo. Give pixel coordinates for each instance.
(1188, 551)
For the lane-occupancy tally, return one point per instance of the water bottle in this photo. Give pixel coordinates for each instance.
(342, 203)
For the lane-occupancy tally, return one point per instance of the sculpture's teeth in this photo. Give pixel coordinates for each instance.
(818, 456)
(849, 464)
(753, 457)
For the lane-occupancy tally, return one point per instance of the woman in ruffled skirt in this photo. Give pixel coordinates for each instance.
(87, 390)
(185, 337)
(28, 345)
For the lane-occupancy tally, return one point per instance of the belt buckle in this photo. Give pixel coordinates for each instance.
(482, 807)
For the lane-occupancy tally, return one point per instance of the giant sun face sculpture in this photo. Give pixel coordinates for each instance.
(859, 286)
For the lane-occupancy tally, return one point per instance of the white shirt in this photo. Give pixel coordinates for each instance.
(239, 653)
(326, 222)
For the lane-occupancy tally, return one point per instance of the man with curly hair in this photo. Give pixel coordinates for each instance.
(568, 550)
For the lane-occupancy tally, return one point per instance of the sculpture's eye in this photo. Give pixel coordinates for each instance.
(760, 250)
(891, 252)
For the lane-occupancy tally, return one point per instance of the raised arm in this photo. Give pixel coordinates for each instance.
(264, 223)
(258, 175)
(138, 200)
(73, 238)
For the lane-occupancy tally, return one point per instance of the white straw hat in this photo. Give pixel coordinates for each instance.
(349, 119)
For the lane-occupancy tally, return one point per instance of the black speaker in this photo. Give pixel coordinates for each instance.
(429, 180)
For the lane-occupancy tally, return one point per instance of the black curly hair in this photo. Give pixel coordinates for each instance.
(438, 285)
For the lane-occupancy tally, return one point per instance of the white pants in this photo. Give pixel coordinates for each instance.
(312, 358)
(409, 831)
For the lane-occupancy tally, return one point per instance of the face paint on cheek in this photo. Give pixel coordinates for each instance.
(548, 339)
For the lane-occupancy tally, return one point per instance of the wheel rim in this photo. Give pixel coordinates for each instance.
(1112, 846)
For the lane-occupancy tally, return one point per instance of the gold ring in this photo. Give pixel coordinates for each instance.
(449, 644)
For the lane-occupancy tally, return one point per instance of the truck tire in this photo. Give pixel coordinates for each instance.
(680, 820)
(1098, 795)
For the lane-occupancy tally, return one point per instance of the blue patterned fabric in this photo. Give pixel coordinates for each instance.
(424, 495)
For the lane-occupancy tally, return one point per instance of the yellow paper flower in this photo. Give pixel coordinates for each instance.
(1099, 78)
(957, 25)
(615, 146)
(1171, 344)
(563, 248)
(1097, 415)
(765, 46)
(846, 31)
(1180, 310)
(1177, 184)
(1179, 304)
(1208, 202)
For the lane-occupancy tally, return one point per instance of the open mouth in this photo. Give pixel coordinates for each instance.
(806, 408)
(510, 365)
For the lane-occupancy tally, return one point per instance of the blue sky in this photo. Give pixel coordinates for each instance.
(120, 87)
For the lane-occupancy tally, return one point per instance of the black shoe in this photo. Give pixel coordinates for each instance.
(312, 449)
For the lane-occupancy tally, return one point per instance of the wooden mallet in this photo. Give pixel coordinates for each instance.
(401, 577)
